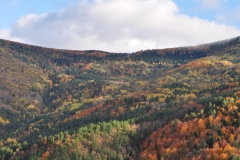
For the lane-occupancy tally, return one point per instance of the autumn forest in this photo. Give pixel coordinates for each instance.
(159, 104)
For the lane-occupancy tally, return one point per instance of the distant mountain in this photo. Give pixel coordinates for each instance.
(71, 56)
(175, 103)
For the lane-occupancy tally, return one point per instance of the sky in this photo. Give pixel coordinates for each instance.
(118, 25)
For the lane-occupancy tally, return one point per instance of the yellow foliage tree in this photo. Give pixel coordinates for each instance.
(37, 87)
(184, 128)
(4, 122)
(11, 140)
(231, 138)
(31, 106)
(223, 156)
(201, 125)
(161, 100)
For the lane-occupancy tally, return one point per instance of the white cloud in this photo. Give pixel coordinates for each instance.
(215, 4)
(118, 26)
(225, 12)
(6, 34)
(212, 4)
(29, 20)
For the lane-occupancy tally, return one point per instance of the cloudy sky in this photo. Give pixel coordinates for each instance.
(118, 25)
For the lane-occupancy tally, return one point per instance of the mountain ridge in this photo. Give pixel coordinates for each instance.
(230, 41)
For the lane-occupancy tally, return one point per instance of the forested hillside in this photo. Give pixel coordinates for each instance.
(176, 103)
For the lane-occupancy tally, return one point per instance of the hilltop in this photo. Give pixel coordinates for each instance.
(152, 104)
